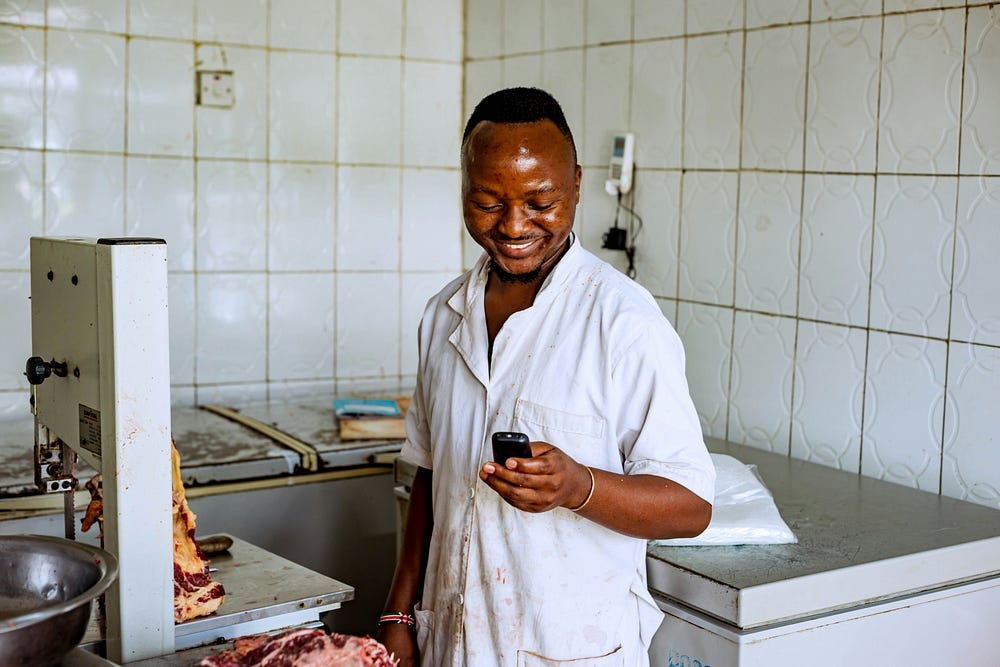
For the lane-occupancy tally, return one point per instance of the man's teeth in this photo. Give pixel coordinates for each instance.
(518, 244)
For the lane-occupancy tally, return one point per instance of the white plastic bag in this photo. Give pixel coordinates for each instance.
(744, 511)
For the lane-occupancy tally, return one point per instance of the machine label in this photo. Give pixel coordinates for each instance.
(678, 659)
(90, 429)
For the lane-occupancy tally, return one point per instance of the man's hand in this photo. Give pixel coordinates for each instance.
(399, 640)
(549, 479)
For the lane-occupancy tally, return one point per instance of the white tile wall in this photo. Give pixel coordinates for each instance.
(102, 15)
(239, 132)
(231, 328)
(367, 335)
(232, 215)
(160, 204)
(432, 221)
(159, 98)
(431, 120)
(21, 205)
(302, 216)
(22, 115)
(368, 218)
(300, 326)
(834, 166)
(162, 18)
(434, 29)
(232, 21)
(84, 194)
(304, 24)
(365, 136)
(23, 12)
(303, 110)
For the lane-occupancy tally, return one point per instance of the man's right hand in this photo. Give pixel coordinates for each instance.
(399, 639)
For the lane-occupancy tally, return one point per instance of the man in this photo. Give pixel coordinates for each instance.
(541, 560)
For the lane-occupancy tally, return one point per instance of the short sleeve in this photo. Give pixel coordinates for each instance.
(417, 448)
(659, 431)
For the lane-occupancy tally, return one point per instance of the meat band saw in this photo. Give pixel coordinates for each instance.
(100, 377)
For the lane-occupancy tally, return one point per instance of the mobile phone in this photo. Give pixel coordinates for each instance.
(510, 444)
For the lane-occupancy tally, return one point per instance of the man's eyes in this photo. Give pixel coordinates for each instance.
(487, 207)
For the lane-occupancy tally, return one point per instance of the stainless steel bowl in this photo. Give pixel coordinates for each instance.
(47, 585)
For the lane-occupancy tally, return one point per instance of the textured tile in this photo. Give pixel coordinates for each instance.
(606, 22)
(22, 85)
(235, 393)
(100, 15)
(301, 222)
(304, 24)
(760, 400)
(160, 204)
(162, 18)
(606, 110)
(829, 389)
(561, 73)
(366, 137)
(776, 12)
(980, 118)
(15, 334)
(707, 333)
(904, 401)
(594, 216)
(562, 23)
(912, 265)
(303, 108)
(522, 71)
(417, 290)
(434, 29)
(658, 103)
(838, 9)
(712, 102)
(432, 220)
(232, 328)
(975, 310)
(368, 201)
(373, 27)
(482, 77)
(232, 21)
(836, 248)
(767, 248)
(522, 26)
(300, 347)
(971, 426)
(160, 97)
(482, 38)
(239, 132)
(708, 243)
(84, 195)
(919, 114)
(432, 99)
(714, 15)
(232, 216)
(657, 200)
(182, 307)
(86, 91)
(20, 206)
(23, 12)
(843, 95)
(657, 18)
(367, 324)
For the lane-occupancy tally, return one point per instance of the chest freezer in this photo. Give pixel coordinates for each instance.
(882, 574)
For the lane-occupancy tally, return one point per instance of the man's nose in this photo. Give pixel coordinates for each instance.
(515, 222)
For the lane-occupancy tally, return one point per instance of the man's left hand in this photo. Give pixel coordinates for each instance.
(549, 479)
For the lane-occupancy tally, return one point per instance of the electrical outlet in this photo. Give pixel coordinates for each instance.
(216, 89)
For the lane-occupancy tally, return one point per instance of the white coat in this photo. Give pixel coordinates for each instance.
(593, 368)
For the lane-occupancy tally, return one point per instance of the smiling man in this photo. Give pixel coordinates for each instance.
(540, 560)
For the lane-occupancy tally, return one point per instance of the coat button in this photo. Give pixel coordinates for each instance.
(460, 599)
(472, 492)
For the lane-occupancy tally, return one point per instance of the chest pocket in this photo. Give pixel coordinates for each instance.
(549, 422)
(530, 659)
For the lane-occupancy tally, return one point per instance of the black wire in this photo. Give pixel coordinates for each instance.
(631, 234)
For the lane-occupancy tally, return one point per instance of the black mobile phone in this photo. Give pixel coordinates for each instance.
(508, 444)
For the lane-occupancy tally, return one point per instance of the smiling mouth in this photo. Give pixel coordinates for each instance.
(517, 247)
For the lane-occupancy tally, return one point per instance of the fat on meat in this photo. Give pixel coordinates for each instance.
(302, 648)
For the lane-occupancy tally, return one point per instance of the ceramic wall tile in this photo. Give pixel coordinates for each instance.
(417, 290)
(432, 127)
(84, 194)
(162, 18)
(86, 91)
(606, 112)
(368, 224)
(761, 393)
(99, 15)
(708, 237)
(22, 87)
(975, 310)
(15, 334)
(300, 347)
(714, 15)
(657, 200)
(562, 23)
(904, 400)
(372, 28)
(523, 70)
(471, 252)
(829, 389)
(918, 126)
(838, 9)
(232, 216)
(482, 77)
(595, 214)
(304, 24)
(772, 12)
(843, 95)
(20, 206)
(606, 22)
(836, 248)
(652, 19)
(232, 328)
(980, 128)
(366, 137)
(23, 12)
(658, 103)
(911, 5)
(237, 393)
(182, 307)
(232, 21)
(912, 257)
(482, 38)
(971, 423)
(712, 101)
(285, 390)
(434, 30)
(562, 72)
(367, 336)
(302, 217)
(160, 204)
(14, 404)
(767, 242)
(707, 334)
(160, 97)
(240, 131)
(774, 98)
(432, 220)
(522, 26)
(669, 309)
(303, 108)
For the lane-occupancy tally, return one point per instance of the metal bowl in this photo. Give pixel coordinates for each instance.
(47, 585)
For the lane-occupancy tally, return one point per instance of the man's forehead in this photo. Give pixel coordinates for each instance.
(520, 138)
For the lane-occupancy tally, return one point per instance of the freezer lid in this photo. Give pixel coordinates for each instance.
(860, 540)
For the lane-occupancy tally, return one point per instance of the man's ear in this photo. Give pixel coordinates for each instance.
(578, 178)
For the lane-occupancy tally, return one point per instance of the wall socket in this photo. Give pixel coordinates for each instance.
(215, 88)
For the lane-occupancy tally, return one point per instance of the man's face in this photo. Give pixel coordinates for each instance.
(520, 187)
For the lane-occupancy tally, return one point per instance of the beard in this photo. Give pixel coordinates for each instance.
(522, 278)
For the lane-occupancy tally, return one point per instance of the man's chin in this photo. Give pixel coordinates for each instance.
(522, 277)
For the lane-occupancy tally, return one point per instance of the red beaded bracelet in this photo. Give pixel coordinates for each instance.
(397, 617)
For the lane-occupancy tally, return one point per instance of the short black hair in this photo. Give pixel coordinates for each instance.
(519, 105)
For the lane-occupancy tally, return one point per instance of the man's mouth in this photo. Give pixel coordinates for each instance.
(517, 247)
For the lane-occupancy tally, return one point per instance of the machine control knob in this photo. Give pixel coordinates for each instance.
(37, 369)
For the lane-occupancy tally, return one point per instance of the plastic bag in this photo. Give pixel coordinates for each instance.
(744, 511)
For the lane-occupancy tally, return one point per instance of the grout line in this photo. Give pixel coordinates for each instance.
(45, 122)
(195, 212)
(268, 119)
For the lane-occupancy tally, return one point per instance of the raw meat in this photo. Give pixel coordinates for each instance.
(302, 648)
